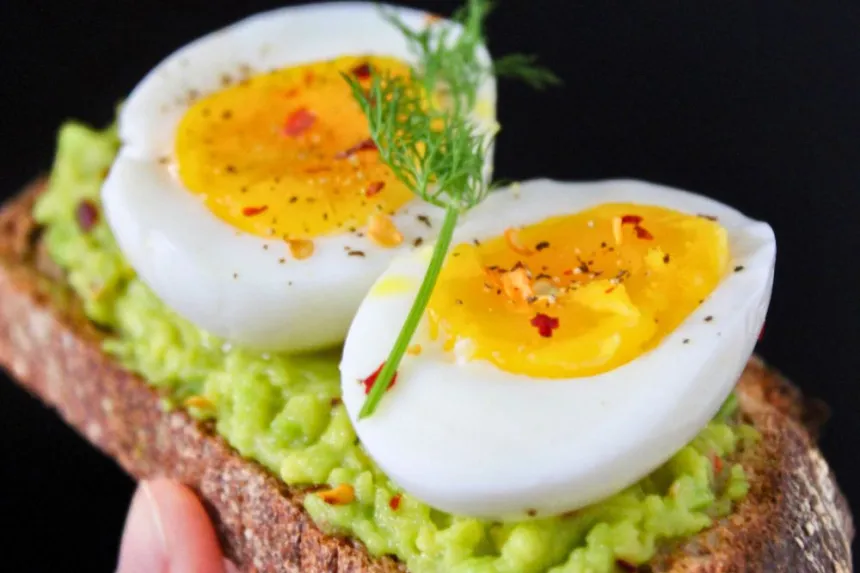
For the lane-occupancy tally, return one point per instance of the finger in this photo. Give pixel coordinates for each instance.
(168, 531)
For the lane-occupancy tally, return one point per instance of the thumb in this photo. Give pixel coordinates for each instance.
(168, 531)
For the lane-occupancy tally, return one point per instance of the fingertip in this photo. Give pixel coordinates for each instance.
(169, 530)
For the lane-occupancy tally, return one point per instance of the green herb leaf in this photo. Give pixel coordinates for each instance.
(433, 148)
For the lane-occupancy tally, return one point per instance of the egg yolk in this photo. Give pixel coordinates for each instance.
(580, 294)
(288, 153)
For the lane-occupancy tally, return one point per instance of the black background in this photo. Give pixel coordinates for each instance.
(755, 103)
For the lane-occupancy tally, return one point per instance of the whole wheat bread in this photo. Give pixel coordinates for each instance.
(794, 518)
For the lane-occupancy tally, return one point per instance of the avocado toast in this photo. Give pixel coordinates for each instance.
(154, 391)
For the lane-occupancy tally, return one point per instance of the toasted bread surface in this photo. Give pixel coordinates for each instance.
(794, 518)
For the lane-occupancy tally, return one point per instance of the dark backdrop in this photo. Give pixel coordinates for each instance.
(756, 103)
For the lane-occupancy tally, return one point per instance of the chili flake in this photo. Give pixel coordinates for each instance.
(340, 495)
(199, 402)
(642, 233)
(301, 248)
(87, 215)
(542, 245)
(365, 145)
(545, 324)
(299, 122)
(394, 502)
(371, 380)
(361, 71)
(631, 220)
(374, 188)
(718, 464)
(383, 231)
(253, 211)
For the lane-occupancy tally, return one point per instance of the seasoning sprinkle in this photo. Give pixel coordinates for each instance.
(301, 248)
(87, 215)
(374, 188)
(545, 324)
(365, 145)
(299, 122)
(254, 211)
(542, 245)
(394, 502)
(371, 380)
(341, 495)
(382, 231)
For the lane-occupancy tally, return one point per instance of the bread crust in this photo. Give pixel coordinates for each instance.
(794, 518)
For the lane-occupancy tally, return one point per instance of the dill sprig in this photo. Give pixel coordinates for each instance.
(435, 150)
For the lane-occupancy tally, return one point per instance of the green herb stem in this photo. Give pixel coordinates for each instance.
(388, 371)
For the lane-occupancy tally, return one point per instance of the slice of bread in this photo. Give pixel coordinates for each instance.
(793, 519)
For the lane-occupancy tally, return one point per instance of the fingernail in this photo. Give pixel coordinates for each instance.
(144, 545)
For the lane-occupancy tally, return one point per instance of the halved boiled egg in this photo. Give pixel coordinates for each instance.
(578, 336)
(248, 194)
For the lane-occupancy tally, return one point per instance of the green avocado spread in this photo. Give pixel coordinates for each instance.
(285, 413)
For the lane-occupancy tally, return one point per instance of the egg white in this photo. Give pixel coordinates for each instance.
(468, 438)
(229, 283)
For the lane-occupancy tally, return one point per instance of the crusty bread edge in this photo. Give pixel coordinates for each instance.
(794, 519)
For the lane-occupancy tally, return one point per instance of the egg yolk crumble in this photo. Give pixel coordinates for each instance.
(288, 153)
(577, 295)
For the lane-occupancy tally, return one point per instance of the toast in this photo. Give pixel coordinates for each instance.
(794, 517)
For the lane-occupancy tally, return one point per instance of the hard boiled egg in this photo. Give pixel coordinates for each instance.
(578, 336)
(248, 194)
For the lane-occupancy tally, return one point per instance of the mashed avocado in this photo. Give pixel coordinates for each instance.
(284, 412)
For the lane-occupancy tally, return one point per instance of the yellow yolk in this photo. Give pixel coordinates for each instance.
(288, 154)
(577, 295)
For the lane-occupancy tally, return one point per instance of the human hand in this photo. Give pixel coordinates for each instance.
(168, 531)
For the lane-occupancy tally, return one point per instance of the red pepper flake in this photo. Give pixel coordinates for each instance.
(545, 324)
(292, 93)
(642, 233)
(362, 71)
(314, 170)
(371, 380)
(366, 145)
(299, 122)
(87, 215)
(374, 188)
(253, 211)
(631, 220)
(718, 464)
(626, 565)
(609, 290)
(394, 502)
